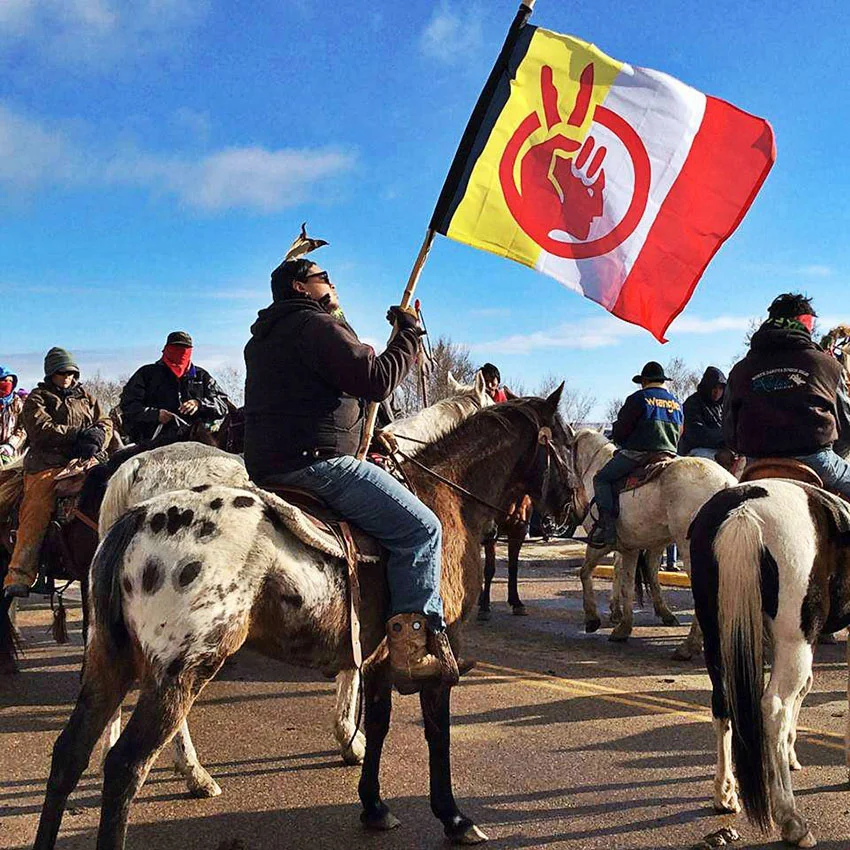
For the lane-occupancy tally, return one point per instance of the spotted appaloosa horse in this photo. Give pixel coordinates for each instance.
(182, 580)
(772, 556)
(184, 466)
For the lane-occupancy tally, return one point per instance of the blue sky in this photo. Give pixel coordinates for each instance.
(158, 156)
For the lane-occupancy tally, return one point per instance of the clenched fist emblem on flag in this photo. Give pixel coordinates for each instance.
(620, 182)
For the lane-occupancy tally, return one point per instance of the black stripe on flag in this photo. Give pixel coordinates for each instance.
(487, 110)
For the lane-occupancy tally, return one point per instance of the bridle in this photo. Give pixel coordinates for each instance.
(581, 506)
(544, 443)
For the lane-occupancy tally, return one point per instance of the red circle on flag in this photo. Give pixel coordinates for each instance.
(527, 214)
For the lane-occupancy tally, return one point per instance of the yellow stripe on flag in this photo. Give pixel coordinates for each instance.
(482, 218)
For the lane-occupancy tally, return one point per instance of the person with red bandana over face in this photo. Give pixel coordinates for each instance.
(172, 387)
(12, 434)
(787, 397)
(493, 384)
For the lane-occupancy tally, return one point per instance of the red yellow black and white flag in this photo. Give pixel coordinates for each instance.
(620, 182)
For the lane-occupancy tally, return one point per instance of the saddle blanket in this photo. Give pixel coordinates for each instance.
(316, 525)
(654, 465)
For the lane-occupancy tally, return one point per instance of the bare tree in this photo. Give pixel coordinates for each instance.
(682, 380)
(612, 409)
(106, 390)
(576, 404)
(445, 356)
(232, 380)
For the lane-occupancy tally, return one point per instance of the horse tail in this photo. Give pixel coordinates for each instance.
(642, 582)
(107, 610)
(741, 555)
(116, 500)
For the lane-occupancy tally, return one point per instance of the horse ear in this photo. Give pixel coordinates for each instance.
(571, 432)
(480, 383)
(454, 386)
(554, 400)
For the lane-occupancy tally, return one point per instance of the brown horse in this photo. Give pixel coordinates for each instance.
(515, 526)
(219, 566)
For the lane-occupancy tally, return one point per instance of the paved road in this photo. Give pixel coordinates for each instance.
(560, 739)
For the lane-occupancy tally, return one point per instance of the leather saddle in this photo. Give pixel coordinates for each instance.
(327, 523)
(781, 467)
(651, 468)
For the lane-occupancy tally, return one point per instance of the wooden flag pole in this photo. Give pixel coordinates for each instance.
(406, 298)
(475, 119)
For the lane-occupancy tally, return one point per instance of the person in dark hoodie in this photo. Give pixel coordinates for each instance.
(308, 378)
(702, 434)
(787, 397)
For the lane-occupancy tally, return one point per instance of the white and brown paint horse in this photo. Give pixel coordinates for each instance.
(184, 466)
(771, 557)
(651, 517)
(182, 580)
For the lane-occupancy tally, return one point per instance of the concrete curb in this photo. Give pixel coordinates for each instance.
(666, 579)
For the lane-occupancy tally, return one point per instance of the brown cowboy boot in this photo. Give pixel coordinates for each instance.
(410, 660)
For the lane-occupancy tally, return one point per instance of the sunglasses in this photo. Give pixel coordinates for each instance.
(323, 278)
(65, 372)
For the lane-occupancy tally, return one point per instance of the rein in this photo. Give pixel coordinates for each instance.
(449, 483)
(85, 520)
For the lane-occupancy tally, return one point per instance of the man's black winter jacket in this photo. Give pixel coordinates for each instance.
(308, 376)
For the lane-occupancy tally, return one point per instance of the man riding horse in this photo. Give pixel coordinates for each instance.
(172, 387)
(63, 422)
(308, 376)
(12, 434)
(787, 397)
(649, 422)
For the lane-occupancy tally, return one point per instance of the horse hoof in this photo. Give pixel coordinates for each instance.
(794, 763)
(520, 610)
(383, 821)
(355, 752)
(795, 831)
(670, 620)
(202, 786)
(483, 615)
(592, 626)
(471, 835)
(620, 634)
(727, 805)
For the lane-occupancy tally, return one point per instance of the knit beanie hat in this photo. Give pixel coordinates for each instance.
(58, 359)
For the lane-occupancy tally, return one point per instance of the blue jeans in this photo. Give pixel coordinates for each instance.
(832, 468)
(603, 482)
(411, 533)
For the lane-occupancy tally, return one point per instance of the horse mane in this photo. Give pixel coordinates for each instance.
(433, 422)
(479, 428)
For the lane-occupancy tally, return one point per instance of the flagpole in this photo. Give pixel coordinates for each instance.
(525, 9)
(406, 298)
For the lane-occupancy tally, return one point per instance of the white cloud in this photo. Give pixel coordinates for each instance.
(452, 34)
(601, 332)
(33, 156)
(93, 32)
(791, 270)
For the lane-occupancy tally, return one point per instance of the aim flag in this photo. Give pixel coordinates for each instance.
(620, 182)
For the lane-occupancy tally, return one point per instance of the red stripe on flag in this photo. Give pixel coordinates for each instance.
(729, 160)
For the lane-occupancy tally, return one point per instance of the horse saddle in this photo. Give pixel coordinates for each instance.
(781, 467)
(653, 465)
(319, 526)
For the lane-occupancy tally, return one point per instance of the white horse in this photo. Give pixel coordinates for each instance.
(185, 465)
(770, 562)
(651, 517)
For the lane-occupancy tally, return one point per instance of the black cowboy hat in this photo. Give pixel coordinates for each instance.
(652, 372)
